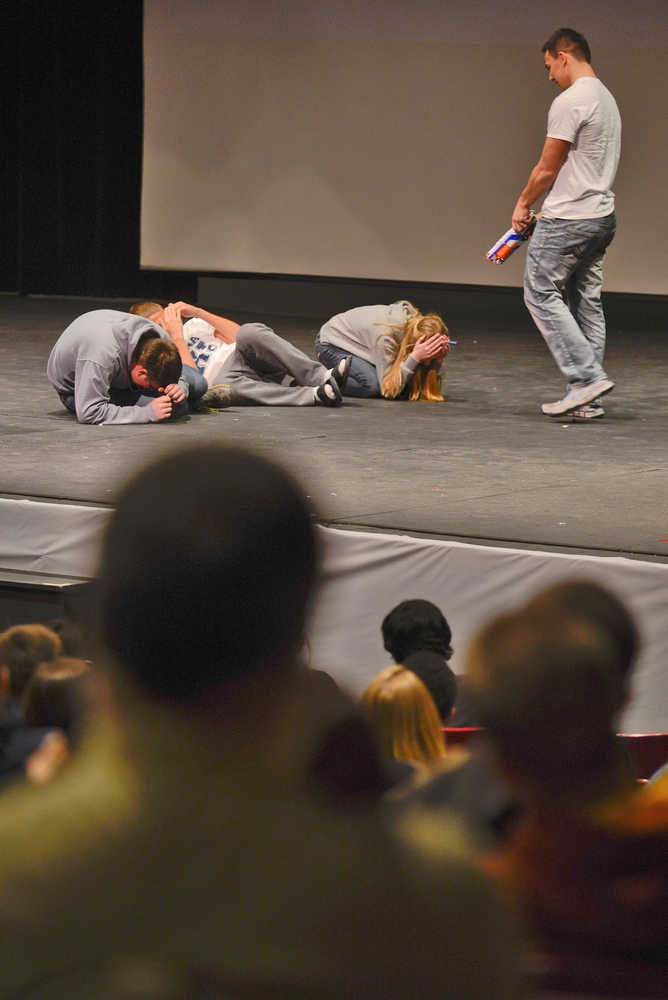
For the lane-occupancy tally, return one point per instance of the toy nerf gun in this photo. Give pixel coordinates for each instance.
(509, 242)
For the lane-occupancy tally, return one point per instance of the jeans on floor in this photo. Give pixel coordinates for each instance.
(562, 291)
(362, 381)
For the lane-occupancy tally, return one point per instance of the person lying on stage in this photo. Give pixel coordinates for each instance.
(109, 367)
(249, 364)
(396, 350)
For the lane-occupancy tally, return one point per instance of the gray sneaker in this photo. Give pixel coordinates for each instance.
(579, 397)
(217, 397)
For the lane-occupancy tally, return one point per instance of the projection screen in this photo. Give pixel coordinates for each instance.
(381, 139)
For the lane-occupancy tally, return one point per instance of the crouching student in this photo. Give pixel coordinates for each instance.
(397, 352)
(109, 367)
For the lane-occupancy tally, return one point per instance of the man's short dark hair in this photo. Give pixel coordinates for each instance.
(22, 649)
(415, 625)
(568, 40)
(159, 357)
(206, 571)
(437, 677)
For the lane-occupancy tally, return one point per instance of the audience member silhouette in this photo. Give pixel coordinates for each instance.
(588, 858)
(181, 834)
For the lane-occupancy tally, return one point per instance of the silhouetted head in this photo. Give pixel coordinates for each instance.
(586, 601)
(22, 649)
(206, 572)
(58, 696)
(547, 691)
(415, 625)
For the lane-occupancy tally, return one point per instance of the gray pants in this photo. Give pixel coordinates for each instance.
(262, 362)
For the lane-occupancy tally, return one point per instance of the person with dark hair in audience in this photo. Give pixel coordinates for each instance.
(414, 626)
(588, 860)
(26, 750)
(72, 636)
(181, 838)
(22, 649)
(109, 367)
(57, 697)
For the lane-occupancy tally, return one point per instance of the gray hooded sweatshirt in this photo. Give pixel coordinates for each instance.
(92, 357)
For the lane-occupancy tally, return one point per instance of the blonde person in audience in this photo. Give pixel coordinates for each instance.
(405, 722)
(397, 352)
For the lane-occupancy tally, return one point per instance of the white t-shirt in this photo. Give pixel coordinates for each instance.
(587, 116)
(208, 352)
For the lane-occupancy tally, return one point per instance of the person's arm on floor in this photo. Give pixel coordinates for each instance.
(226, 329)
(541, 179)
(93, 405)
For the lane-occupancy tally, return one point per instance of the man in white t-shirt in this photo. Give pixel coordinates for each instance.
(250, 364)
(564, 266)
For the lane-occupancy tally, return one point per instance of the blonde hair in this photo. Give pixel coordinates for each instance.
(403, 717)
(145, 309)
(425, 383)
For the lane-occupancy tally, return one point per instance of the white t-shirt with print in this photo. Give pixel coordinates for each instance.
(587, 116)
(208, 352)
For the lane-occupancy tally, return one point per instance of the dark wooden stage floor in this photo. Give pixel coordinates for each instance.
(483, 466)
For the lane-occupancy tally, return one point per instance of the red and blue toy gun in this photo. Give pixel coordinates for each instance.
(509, 242)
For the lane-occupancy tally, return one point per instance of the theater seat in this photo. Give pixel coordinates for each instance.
(648, 751)
(460, 735)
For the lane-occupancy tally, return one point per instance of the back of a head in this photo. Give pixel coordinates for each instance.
(437, 677)
(206, 571)
(586, 601)
(544, 692)
(22, 649)
(160, 358)
(145, 309)
(57, 696)
(403, 717)
(568, 40)
(415, 625)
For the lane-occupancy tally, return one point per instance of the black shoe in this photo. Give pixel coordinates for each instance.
(341, 371)
(328, 394)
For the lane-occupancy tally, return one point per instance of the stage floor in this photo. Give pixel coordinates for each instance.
(484, 466)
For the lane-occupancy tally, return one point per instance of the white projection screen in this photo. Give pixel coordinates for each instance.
(383, 140)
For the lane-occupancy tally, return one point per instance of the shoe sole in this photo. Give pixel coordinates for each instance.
(584, 401)
(343, 378)
(578, 419)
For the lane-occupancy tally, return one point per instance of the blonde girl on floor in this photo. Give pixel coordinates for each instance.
(397, 351)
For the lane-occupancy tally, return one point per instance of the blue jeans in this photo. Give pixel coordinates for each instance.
(362, 381)
(562, 291)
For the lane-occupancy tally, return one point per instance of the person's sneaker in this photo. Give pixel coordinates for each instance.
(327, 394)
(588, 412)
(340, 371)
(579, 397)
(217, 397)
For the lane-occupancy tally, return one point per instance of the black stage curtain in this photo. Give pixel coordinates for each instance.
(70, 182)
